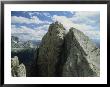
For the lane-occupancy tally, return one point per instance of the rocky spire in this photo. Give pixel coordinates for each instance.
(50, 49)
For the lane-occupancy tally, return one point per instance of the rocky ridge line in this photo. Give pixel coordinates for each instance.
(72, 54)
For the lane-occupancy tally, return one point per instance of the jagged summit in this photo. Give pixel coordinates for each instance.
(71, 54)
(56, 25)
(50, 49)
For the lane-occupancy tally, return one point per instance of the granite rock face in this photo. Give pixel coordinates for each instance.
(82, 56)
(14, 62)
(17, 70)
(50, 49)
(69, 54)
(21, 70)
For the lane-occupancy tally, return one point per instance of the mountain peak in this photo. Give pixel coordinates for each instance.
(56, 25)
(73, 50)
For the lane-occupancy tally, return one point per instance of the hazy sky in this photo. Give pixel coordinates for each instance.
(32, 25)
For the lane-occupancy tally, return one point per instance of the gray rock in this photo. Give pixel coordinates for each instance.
(14, 61)
(16, 69)
(50, 49)
(21, 70)
(70, 54)
(83, 57)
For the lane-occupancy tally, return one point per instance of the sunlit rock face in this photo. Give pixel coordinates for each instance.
(21, 70)
(50, 49)
(14, 61)
(82, 55)
(17, 70)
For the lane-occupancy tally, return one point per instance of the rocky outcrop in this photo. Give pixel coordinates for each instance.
(68, 55)
(21, 70)
(17, 70)
(50, 49)
(82, 56)
(14, 61)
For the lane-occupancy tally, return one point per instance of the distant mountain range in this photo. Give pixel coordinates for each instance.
(17, 43)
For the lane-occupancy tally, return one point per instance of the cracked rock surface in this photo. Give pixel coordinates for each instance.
(50, 49)
(82, 55)
(17, 70)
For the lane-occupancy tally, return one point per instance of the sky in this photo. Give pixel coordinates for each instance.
(33, 25)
